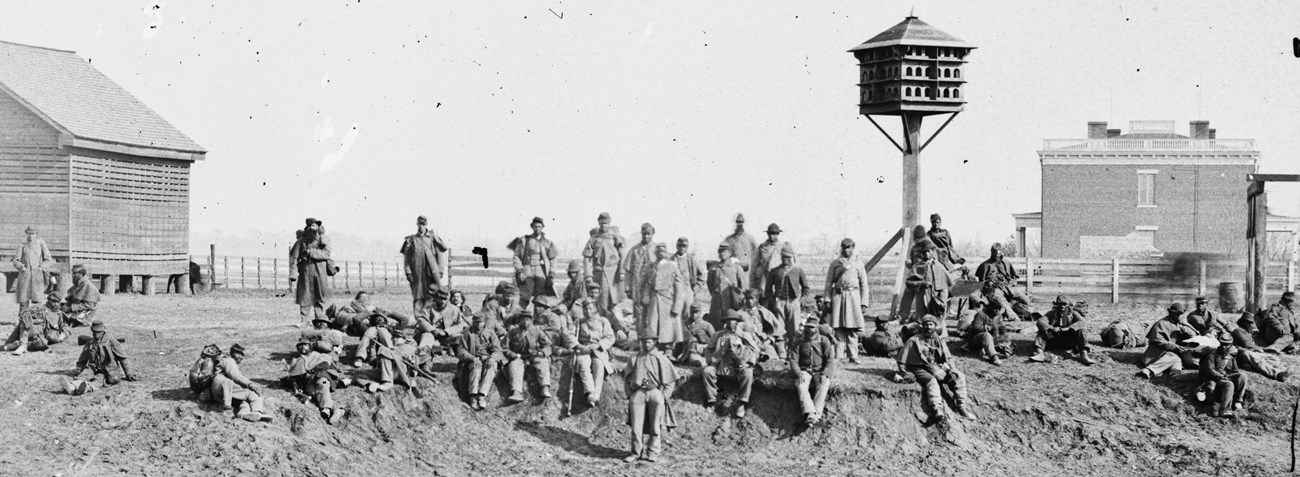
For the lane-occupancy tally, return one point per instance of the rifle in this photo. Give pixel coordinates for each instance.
(416, 368)
(573, 375)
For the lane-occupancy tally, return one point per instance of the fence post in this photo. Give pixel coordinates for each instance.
(374, 281)
(1114, 280)
(243, 278)
(1290, 275)
(275, 273)
(1029, 275)
(1200, 287)
(212, 266)
(225, 271)
(259, 272)
(385, 274)
(346, 271)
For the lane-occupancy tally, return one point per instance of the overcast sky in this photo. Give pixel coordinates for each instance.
(366, 114)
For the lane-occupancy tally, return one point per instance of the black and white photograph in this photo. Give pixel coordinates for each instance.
(571, 238)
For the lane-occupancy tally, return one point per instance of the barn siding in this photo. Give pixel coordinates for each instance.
(33, 192)
(20, 127)
(130, 215)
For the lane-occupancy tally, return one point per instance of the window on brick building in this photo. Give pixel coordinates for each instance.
(1146, 189)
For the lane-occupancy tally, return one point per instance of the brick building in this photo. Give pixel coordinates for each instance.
(1145, 193)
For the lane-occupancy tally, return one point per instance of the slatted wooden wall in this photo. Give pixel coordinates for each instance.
(130, 215)
(33, 179)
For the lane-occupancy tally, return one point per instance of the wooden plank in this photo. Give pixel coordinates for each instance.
(1114, 283)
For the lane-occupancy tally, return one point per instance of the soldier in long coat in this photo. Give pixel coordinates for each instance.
(692, 272)
(311, 257)
(636, 264)
(33, 261)
(846, 284)
(726, 283)
(663, 295)
(943, 243)
(649, 380)
(422, 263)
(602, 258)
(742, 244)
(927, 285)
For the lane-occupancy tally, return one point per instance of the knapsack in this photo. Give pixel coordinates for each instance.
(205, 369)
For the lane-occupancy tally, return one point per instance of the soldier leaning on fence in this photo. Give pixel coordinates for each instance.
(534, 262)
(946, 254)
(79, 307)
(33, 262)
(99, 354)
(422, 263)
(311, 257)
(37, 328)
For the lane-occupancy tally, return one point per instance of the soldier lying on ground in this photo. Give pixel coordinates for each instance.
(1120, 335)
(99, 354)
(353, 318)
(313, 376)
(321, 331)
(37, 328)
(1250, 356)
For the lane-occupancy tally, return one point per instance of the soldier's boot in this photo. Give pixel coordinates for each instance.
(651, 455)
(126, 371)
(1085, 357)
(740, 409)
(67, 384)
(546, 392)
(336, 415)
(515, 397)
(22, 348)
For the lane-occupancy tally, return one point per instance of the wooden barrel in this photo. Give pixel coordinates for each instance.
(1231, 297)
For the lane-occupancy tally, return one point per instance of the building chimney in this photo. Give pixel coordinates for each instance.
(1212, 134)
(1200, 130)
(1112, 133)
(1096, 129)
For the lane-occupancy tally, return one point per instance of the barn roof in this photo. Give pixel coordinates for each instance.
(912, 31)
(66, 91)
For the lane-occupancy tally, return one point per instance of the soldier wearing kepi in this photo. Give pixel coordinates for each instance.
(313, 375)
(534, 262)
(637, 267)
(726, 283)
(1278, 329)
(230, 384)
(733, 354)
(649, 380)
(765, 258)
(311, 258)
(602, 258)
(477, 353)
(987, 334)
(742, 245)
(1061, 328)
(1206, 321)
(926, 357)
(422, 263)
(37, 328)
(528, 347)
(1220, 375)
(575, 290)
(595, 339)
(811, 360)
(33, 262)
(100, 354)
(692, 272)
(846, 285)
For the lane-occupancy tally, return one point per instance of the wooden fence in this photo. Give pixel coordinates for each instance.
(1104, 280)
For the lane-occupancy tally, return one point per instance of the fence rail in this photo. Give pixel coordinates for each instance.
(1136, 280)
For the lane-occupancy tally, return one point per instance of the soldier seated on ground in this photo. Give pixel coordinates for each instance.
(441, 324)
(37, 328)
(733, 353)
(698, 335)
(321, 331)
(1250, 356)
(1205, 321)
(477, 353)
(528, 347)
(988, 335)
(812, 359)
(229, 384)
(314, 376)
(1061, 329)
(926, 357)
(594, 337)
(457, 299)
(100, 354)
(1278, 326)
(551, 316)
(884, 342)
(766, 326)
(379, 347)
(79, 308)
(1163, 354)
(1221, 379)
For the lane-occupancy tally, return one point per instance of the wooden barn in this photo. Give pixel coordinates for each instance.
(104, 179)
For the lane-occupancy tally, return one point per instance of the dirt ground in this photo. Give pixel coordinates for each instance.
(1033, 418)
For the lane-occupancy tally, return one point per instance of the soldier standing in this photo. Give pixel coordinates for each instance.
(534, 262)
(742, 244)
(727, 281)
(765, 258)
(422, 263)
(602, 260)
(846, 285)
(33, 262)
(311, 257)
(649, 380)
(636, 266)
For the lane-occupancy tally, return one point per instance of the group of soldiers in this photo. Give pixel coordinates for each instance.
(647, 298)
